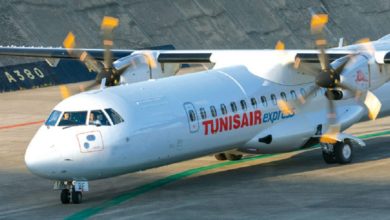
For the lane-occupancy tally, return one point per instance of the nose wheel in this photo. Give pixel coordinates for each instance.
(66, 196)
(77, 197)
(71, 191)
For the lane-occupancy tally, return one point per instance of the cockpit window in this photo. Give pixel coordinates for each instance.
(115, 117)
(73, 118)
(53, 118)
(97, 117)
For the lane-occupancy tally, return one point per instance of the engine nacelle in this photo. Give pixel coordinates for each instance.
(142, 66)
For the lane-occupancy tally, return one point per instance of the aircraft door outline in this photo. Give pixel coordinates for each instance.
(192, 117)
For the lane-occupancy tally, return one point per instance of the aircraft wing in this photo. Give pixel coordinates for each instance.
(61, 53)
(307, 62)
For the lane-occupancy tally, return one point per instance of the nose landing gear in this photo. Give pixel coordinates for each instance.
(71, 191)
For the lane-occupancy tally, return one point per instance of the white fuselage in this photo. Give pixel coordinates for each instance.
(183, 117)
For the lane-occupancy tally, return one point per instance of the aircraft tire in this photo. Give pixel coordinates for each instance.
(343, 152)
(233, 157)
(65, 196)
(77, 197)
(220, 156)
(328, 157)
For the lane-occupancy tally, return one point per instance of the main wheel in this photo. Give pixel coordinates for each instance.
(328, 157)
(65, 196)
(220, 156)
(77, 197)
(343, 152)
(233, 156)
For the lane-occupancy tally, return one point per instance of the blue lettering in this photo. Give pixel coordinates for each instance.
(265, 118)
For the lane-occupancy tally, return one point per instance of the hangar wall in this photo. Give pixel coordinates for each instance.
(195, 24)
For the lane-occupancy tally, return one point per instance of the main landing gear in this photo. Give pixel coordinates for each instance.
(228, 156)
(71, 191)
(340, 152)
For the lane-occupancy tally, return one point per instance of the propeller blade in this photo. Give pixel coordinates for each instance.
(70, 42)
(317, 24)
(65, 93)
(373, 105)
(370, 101)
(302, 99)
(285, 107)
(279, 45)
(288, 109)
(108, 25)
(330, 136)
(150, 59)
(297, 62)
(331, 108)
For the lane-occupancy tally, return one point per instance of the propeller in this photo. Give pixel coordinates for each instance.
(103, 71)
(106, 70)
(329, 78)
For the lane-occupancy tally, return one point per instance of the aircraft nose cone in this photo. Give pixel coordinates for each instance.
(41, 160)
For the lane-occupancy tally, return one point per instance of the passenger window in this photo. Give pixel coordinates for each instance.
(273, 98)
(293, 95)
(53, 118)
(213, 111)
(233, 106)
(223, 109)
(283, 95)
(192, 115)
(115, 117)
(203, 113)
(97, 117)
(264, 101)
(254, 102)
(243, 105)
(303, 92)
(73, 118)
(315, 92)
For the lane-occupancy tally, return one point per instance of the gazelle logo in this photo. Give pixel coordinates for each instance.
(360, 77)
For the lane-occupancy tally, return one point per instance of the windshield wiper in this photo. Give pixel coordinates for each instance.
(69, 126)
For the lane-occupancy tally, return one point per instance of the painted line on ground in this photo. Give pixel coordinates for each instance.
(21, 124)
(89, 212)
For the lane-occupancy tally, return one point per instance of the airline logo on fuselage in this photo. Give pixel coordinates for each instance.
(237, 121)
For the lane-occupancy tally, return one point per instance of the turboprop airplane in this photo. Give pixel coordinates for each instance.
(250, 101)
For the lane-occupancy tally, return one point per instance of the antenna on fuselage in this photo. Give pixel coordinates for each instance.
(103, 83)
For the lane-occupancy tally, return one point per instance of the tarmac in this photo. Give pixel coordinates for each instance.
(297, 185)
